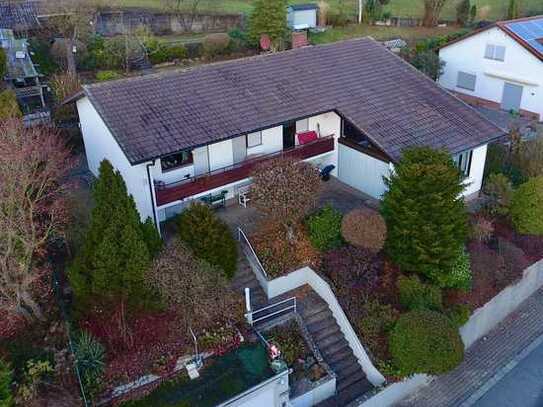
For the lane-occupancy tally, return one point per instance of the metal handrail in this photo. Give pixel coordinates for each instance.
(242, 237)
(267, 316)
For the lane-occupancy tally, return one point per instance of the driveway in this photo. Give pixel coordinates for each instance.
(521, 386)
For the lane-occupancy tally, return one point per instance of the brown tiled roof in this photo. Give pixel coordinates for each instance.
(386, 98)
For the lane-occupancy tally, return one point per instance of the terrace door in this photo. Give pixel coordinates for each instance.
(289, 135)
(512, 96)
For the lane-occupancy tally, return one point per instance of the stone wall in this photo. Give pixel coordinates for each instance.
(113, 22)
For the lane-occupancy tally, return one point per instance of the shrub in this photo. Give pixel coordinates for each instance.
(3, 64)
(268, 17)
(460, 275)
(103, 76)
(337, 18)
(151, 237)
(459, 314)
(364, 228)
(515, 262)
(486, 264)
(374, 324)
(425, 214)
(9, 107)
(6, 397)
(325, 229)
(280, 255)
(425, 342)
(499, 190)
(177, 52)
(208, 237)
(527, 207)
(354, 273)
(531, 156)
(216, 44)
(290, 341)
(414, 294)
(197, 290)
(90, 356)
(482, 229)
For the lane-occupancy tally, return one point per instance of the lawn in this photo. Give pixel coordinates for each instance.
(487, 9)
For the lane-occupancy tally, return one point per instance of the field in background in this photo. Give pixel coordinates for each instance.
(487, 9)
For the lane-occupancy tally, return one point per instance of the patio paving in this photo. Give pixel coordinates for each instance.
(341, 196)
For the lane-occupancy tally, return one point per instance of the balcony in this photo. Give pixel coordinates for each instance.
(237, 172)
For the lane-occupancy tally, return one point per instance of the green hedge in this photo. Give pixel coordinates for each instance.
(414, 294)
(208, 237)
(527, 207)
(324, 229)
(425, 342)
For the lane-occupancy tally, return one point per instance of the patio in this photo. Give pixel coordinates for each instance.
(341, 196)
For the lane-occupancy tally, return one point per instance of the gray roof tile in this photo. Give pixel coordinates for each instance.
(394, 104)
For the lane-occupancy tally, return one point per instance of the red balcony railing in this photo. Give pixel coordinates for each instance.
(215, 179)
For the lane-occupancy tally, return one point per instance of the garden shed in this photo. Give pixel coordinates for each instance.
(302, 16)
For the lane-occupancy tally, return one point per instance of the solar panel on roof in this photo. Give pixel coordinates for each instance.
(530, 31)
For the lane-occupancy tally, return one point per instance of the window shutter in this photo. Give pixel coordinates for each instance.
(489, 53)
(499, 53)
(466, 81)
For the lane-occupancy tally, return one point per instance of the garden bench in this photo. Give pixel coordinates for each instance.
(215, 200)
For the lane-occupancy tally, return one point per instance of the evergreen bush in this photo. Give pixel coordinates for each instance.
(425, 214)
(3, 64)
(269, 17)
(114, 258)
(325, 229)
(103, 76)
(425, 341)
(460, 275)
(9, 107)
(527, 207)
(414, 294)
(6, 378)
(499, 190)
(208, 237)
(459, 314)
(90, 360)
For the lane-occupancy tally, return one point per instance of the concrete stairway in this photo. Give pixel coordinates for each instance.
(245, 277)
(351, 382)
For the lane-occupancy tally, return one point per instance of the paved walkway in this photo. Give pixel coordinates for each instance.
(464, 386)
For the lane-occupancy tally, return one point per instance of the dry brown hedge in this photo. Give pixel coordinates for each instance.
(364, 228)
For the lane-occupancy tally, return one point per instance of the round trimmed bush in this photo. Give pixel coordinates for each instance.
(414, 294)
(324, 229)
(425, 341)
(527, 207)
(216, 44)
(364, 228)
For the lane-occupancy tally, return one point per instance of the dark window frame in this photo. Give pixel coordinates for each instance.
(184, 162)
(253, 145)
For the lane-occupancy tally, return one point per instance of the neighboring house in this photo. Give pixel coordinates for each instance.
(21, 74)
(19, 16)
(302, 16)
(179, 136)
(500, 66)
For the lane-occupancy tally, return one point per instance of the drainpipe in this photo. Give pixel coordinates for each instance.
(157, 224)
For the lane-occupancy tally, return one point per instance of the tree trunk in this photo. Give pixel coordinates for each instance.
(432, 10)
(70, 57)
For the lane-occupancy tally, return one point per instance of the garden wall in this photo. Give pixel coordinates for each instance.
(306, 275)
(484, 319)
(111, 23)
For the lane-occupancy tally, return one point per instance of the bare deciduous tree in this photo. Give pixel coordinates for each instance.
(184, 10)
(285, 190)
(432, 10)
(34, 163)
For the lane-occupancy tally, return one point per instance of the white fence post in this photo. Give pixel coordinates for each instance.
(248, 305)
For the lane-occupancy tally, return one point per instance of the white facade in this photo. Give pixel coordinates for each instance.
(481, 55)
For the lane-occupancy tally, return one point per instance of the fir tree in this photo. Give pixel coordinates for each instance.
(151, 237)
(114, 258)
(268, 17)
(6, 397)
(463, 12)
(513, 10)
(425, 214)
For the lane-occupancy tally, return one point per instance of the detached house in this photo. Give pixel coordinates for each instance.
(500, 66)
(180, 136)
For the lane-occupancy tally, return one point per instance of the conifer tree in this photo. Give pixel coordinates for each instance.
(114, 258)
(425, 214)
(513, 10)
(268, 17)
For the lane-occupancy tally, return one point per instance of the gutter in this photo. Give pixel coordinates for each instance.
(153, 204)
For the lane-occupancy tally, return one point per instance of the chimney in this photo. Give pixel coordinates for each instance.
(299, 39)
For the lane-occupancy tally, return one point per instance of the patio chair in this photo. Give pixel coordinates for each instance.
(243, 195)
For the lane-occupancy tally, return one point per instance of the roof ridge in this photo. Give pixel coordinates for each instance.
(515, 20)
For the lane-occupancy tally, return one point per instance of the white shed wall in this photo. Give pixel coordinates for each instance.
(477, 170)
(100, 145)
(307, 18)
(520, 67)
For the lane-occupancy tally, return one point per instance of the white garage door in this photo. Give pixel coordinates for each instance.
(361, 171)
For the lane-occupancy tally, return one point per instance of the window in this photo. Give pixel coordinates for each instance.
(254, 139)
(463, 162)
(495, 52)
(466, 80)
(302, 125)
(176, 160)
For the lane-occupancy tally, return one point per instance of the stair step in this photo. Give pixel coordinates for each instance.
(345, 380)
(322, 324)
(353, 391)
(330, 340)
(325, 333)
(335, 348)
(317, 317)
(310, 309)
(344, 364)
(339, 356)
